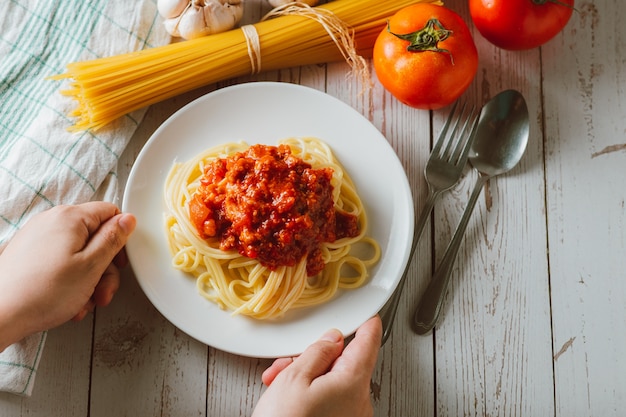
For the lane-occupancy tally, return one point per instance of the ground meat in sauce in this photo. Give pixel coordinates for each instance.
(270, 205)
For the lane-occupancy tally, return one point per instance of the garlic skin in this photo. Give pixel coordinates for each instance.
(277, 3)
(169, 9)
(190, 19)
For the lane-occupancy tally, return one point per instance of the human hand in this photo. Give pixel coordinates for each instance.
(59, 266)
(326, 380)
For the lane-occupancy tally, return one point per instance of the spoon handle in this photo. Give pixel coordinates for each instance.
(428, 311)
(388, 312)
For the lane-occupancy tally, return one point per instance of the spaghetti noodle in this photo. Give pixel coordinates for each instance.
(252, 286)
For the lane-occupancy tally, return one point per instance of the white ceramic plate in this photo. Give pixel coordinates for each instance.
(264, 112)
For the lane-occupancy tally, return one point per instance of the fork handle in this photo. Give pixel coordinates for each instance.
(429, 309)
(388, 312)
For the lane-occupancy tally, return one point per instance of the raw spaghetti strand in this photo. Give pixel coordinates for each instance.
(245, 286)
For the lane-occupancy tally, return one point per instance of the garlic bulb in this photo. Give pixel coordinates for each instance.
(191, 19)
(276, 3)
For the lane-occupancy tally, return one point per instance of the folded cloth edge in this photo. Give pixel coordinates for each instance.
(19, 363)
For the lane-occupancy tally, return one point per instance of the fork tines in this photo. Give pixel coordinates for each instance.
(462, 122)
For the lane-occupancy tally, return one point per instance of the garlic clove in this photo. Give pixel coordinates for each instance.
(222, 15)
(171, 25)
(277, 3)
(170, 9)
(191, 23)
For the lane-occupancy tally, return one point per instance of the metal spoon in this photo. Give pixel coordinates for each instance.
(500, 142)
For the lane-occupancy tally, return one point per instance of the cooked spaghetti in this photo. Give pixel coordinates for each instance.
(252, 225)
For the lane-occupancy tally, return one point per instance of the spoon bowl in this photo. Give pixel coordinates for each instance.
(502, 134)
(500, 142)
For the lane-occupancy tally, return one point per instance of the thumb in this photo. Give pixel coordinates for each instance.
(317, 359)
(361, 354)
(109, 239)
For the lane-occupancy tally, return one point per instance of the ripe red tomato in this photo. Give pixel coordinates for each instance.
(426, 56)
(520, 24)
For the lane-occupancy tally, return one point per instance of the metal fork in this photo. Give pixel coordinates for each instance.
(443, 170)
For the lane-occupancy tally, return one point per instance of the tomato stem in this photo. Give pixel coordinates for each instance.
(542, 2)
(427, 38)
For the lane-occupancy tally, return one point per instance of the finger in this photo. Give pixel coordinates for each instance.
(87, 308)
(107, 286)
(362, 352)
(110, 238)
(275, 368)
(317, 358)
(80, 221)
(95, 213)
(121, 259)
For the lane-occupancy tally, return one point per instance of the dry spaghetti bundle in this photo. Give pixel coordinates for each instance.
(295, 35)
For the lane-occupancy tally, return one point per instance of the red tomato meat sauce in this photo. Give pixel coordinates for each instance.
(269, 205)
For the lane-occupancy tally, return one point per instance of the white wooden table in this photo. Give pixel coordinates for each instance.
(535, 320)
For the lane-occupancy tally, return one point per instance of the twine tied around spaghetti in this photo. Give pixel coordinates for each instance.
(340, 33)
(254, 47)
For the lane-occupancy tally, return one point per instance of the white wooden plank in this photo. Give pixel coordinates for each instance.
(234, 384)
(585, 159)
(493, 349)
(407, 358)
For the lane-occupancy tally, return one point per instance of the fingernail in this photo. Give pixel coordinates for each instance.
(332, 335)
(127, 222)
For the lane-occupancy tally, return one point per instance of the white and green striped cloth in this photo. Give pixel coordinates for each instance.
(41, 163)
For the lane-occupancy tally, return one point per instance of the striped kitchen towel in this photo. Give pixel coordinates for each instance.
(41, 163)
